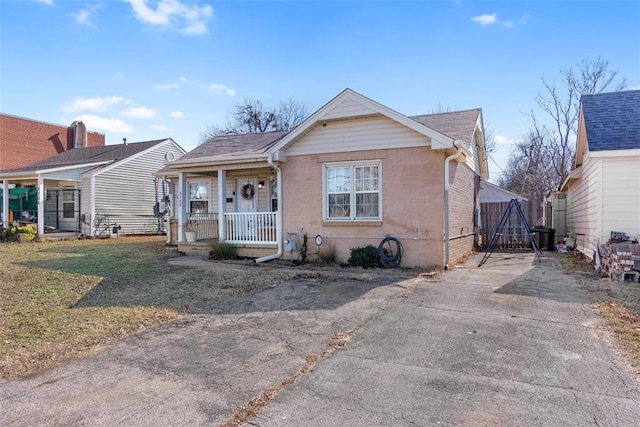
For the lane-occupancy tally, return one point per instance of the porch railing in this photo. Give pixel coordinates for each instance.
(207, 224)
(251, 227)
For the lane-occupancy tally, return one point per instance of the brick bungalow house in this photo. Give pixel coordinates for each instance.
(351, 174)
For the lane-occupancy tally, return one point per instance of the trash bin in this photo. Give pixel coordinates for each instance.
(544, 238)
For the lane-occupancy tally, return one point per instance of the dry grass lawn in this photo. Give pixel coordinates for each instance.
(618, 303)
(63, 300)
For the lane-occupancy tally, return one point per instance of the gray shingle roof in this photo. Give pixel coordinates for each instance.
(458, 125)
(235, 144)
(612, 120)
(79, 156)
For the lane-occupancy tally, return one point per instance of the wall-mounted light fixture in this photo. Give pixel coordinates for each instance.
(260, 185)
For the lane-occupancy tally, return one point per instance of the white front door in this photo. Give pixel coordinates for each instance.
(246, 203)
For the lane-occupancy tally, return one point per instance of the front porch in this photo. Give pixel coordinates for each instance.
(202, 248)
(253, 234)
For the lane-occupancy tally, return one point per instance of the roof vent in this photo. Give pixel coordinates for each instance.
(124, 141)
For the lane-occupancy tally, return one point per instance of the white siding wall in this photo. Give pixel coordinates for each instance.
(85, 204)
(126, 191)
(348, 108)
(606, 199)
(583, 199)
(620, 197)
(263, 195)
(356, 135)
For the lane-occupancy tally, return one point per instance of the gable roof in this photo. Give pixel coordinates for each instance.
(444, 130)
(237, 144)
(459, 125)
(612, 120)
(491, 193)
(88, 155)
(342, 107)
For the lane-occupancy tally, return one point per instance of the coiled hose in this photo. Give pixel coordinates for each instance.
(390, 250)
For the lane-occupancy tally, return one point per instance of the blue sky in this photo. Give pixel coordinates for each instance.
(149, 69)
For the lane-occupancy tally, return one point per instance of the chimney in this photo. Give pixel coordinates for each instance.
(124, 141)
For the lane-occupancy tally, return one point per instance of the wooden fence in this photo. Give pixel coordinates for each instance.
(513, 235)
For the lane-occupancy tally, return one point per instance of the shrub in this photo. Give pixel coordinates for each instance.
(30, 230)
(223, 251)
(328, 255)
(365, 257)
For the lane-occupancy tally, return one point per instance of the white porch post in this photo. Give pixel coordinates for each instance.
(5, 203)
(182, 205)
(41, 201)
(92, 207)
(222, 205)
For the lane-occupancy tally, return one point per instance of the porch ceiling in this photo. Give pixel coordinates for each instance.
(213, 169)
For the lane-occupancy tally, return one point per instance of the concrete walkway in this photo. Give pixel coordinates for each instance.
(511, 343)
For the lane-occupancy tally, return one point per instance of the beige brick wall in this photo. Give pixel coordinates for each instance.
(412, 209)
(461, 203)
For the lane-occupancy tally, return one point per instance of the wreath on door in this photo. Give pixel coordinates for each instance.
(248, 191)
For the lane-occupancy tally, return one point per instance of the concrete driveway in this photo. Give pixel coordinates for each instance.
(510, 343)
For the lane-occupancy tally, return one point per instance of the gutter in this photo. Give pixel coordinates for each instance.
(457, 154)
(278, 213)
(217, 161)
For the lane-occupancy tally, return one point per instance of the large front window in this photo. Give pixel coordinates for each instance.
(352, 191)
(198, 197)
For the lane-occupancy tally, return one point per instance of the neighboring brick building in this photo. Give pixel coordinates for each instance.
(24, 141)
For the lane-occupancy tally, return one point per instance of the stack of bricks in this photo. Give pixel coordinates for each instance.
(622, 260)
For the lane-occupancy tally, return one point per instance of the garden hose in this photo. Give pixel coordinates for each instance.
(390, 250)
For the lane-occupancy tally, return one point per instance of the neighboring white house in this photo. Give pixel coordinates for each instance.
(85, 190)
(603, 189)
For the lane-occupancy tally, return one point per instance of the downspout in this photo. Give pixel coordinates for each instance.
(446, 201)
(171, 210)
(278, 212)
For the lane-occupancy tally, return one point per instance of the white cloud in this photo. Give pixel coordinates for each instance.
(103, 123)
(119, 75)
(160, 128)
(167, 86)
(49, 2)
(83, 16)
(92, 104)
(176, 114)
(503, 140)
(186, 80)
(217, 89)
(485, 19)
(173, 14)
(141, 113)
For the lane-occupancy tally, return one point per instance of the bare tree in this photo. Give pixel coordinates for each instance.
(543, 159)
(290, 114)
(561, 104)
(530, 174)
(251, 116)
